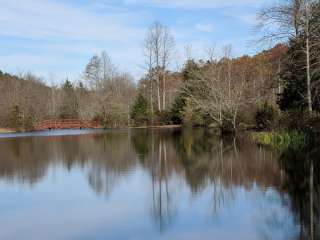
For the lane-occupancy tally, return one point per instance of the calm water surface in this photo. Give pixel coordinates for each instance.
(154, 184)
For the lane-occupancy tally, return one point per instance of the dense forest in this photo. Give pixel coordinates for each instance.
(276, 88)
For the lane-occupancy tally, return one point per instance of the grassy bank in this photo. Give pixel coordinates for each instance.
(281, 140)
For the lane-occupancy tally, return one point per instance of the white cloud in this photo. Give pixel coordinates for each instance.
(47, 19)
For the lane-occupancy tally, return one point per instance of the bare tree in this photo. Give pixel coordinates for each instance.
(210, 51)
(281, 20)
(222, 88)
(92, 72)
(159, 45)
(111, 91)
(150, 64)
(227, 51)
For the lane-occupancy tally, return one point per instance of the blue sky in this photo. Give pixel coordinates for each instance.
(56, 38)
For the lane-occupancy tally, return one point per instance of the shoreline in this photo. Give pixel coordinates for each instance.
(9, 130)
(156, 127)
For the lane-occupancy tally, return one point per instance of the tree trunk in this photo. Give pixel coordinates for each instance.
(158, 92)
(279, 78)
(309, 97)
(220, 114)
(235, 120)
(164, 92)
(151, 94)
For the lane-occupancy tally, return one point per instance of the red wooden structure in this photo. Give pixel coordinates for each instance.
(66, 124)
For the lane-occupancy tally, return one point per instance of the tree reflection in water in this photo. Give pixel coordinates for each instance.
(301, 166)
(203, 161)
(173, 158)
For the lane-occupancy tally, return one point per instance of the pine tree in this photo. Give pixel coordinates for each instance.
(294, 77)
(140, 111)
(70, 105)
(177, 109)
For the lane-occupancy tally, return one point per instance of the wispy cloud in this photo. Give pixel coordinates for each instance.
(58, 36)
(44, 19)
(63, 30)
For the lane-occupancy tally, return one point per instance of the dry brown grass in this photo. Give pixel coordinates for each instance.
(6, 130)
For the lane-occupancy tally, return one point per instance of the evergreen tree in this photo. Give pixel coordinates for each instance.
(15, 118)
(70, 105)
(177, 109)
(189, 72)
(140, 111)
(294, 77)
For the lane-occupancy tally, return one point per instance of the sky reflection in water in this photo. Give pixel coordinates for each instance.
(142, 184)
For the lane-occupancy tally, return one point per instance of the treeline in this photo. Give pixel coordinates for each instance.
(297, 23)
(275, 88)
(227, 93)
(278, 88)
(22, 100)
(220, 92)
(102, 94)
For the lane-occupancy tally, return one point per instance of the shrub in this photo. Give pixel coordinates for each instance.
(28, 123)
(313, 121)
(14, 119)
(265, 117)
(20, 121)
(299, 120)
(113, 119)
(281, 140)
(162, 118)
(177, 110)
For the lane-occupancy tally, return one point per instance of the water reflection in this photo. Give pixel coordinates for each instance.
(166, 184)
(302, 183)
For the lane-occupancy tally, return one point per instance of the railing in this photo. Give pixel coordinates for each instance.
(66, 124)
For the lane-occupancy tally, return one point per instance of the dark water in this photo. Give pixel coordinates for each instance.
(155, 184)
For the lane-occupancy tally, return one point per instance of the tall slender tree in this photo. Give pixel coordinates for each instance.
(159, 46)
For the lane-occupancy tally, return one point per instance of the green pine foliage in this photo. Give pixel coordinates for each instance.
(182, 111)
(70, 105)
(177, 109)
(294, 75)
(294, 78)
(141, 110)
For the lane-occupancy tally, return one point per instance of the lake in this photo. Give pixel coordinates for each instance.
(154, 184)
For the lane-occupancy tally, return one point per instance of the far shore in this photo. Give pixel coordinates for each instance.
(157, 127)
(9, 130)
